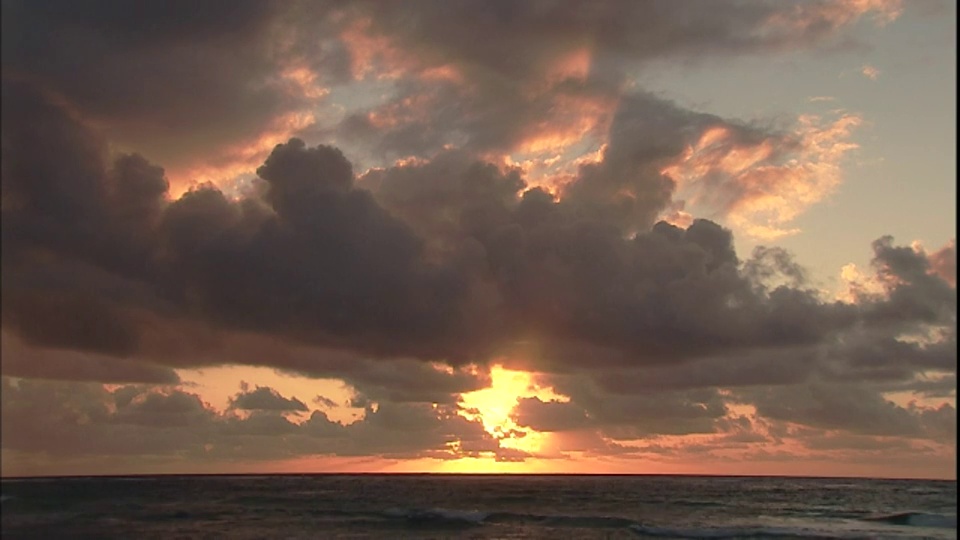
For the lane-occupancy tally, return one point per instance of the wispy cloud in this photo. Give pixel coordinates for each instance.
(870, 72)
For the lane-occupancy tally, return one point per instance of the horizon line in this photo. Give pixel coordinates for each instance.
(458, 474)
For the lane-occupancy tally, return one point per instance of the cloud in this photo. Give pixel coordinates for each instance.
(548, 416)
(448, 260)
(496, 194)
(870, 72)
(513, 89)
(943, 263)
(65, 419)
(324, 402)
(855, 409)
(637, 31)
(760, 180)
(187, 77)
(356, 261)
(21, 360)
(265, 399)
(257, 75)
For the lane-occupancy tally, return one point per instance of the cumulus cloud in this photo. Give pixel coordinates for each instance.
(314, 257)
(86, 419)
(943, 262)
(548, 416)
(168, 80)
(263, 398)
(761, 180)
(855, 409)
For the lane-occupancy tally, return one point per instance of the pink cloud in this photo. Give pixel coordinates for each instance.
(760, 187)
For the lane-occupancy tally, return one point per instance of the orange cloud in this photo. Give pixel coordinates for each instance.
(552, 150)
(943, 262)
(238, 159)
(305, 81)
(374, 54)
(444, 73)
(870, 72)
(857, 286)
(761, 187)
(574, 64)
(817, 16)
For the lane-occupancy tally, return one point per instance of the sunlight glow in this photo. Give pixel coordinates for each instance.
(216, 385)
(493, 407)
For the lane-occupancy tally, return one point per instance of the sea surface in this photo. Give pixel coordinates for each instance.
(475, 506)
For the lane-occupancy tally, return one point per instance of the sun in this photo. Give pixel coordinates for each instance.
(494, 405)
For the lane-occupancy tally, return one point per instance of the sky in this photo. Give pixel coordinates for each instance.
(479, 236)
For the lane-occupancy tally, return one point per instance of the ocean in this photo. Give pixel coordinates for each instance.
(475, 506)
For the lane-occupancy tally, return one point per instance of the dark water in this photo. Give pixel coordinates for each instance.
(461, 506)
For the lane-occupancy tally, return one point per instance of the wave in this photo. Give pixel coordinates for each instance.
(730, 532)
(438, 516)
(592, 522)
(918, 519)
(445, 517)
(702, 504)
(847, 529)
(442, 517)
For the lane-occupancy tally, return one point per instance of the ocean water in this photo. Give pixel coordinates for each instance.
(475, 506)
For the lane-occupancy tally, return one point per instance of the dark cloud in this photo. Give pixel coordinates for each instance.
(628, 184)
(169, 80)
(851, 407)
(21, 360)
(916, 292)
(324, 402)
(406, 430)
(598, 401)
(176, 409)
(548, 416)
(448, 260)
(513, 69)
(64, 419)
(169, 77)
(514, 39)
(944, 262)
(873, 357)
(943, 386)
(449, 198)
(325, 255)
(265, 399)
(329, 264)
